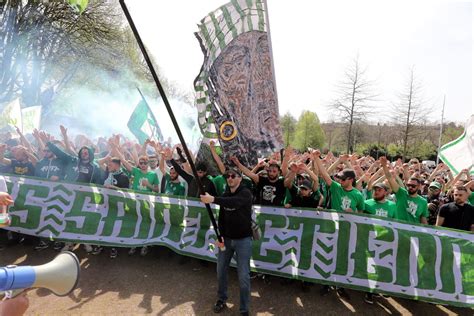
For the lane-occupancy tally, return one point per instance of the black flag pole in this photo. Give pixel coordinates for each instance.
(170, 112)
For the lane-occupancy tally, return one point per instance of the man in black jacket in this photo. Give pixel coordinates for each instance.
(235, 225)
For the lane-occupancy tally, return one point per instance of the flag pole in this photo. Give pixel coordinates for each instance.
(151, 112)
(171, 114)
(441, 130)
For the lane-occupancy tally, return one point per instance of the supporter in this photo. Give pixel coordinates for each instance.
(235, 226)
(271, 189)
(170, 183)
(344, 198)
(22, 162)
(458, 214)
(205, 179)
(50, 167)
(435, 200)
(410, 206)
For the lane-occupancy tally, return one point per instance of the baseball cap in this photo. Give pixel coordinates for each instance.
(306, 184)
(381, 185)
(234, 170)
(346, 173)
(436, 185)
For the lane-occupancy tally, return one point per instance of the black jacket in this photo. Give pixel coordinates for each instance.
(193, 190)
(235, 215)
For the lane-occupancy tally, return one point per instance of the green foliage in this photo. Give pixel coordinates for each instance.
(393, 150)
(424, 150)
(451, 132)
(288, 125)
(308, 132)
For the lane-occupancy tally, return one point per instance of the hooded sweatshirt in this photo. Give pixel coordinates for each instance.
(76, 169)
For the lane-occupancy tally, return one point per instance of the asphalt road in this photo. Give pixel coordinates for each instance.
(161, 284)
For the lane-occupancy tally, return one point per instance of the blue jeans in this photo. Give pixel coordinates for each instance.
(243, 251)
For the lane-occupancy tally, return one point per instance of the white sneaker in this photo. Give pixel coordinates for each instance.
(144, 251)
(88, 248)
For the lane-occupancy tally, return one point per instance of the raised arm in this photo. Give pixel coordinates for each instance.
(216, 157)
(322, 170)
(25, 141)
(391, 180)
(245, 170)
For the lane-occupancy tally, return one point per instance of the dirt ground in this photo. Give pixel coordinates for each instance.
(161, 284)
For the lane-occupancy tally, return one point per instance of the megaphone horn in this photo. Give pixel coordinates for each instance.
(60, 275)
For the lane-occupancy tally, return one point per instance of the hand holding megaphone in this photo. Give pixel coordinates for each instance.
(61, 275)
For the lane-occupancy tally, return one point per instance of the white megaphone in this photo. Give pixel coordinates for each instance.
(61, 275)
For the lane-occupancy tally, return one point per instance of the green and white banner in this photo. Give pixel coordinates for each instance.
(350, 250)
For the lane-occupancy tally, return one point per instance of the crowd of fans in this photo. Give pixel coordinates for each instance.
(407, 191)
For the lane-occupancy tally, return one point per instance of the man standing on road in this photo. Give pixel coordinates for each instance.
(236, 229)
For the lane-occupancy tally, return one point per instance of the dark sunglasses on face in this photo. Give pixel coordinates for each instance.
(142, 162)
(231, 175)
(411, 185)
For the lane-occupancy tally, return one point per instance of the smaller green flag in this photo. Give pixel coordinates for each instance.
(142, 123)
(78, 5)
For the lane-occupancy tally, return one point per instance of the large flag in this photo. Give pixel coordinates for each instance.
(459, 154)
(11, 114)
(235, 90)
(142, 123)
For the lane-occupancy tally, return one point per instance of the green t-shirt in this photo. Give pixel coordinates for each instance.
(220, 183)
(410, 209)
(385, 209)
(173, 188)
(138, 177)
(470, 200)
(342, 199)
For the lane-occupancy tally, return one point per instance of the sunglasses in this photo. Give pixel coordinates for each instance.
(231, 175)
(411, 185)
(142, 162)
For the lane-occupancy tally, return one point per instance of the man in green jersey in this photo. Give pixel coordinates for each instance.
(344, 197)
(172, 185)
(378, 205)
(410, 206)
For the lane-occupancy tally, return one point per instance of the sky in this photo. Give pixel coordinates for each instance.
(313, 42)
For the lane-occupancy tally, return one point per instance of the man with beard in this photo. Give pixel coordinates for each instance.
(193, 189)
(458, 214)
(78, 169)
(271, 189)
(50, 167)
(435, 201)
(379, 206)
(411, 207)
(172, 185)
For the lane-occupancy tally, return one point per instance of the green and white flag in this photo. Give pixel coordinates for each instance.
(78, 5)
(216, 31)
(459, 154)
(142, 123)
(366, 253)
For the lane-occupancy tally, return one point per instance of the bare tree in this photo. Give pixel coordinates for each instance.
(355, 99)
(411, 112)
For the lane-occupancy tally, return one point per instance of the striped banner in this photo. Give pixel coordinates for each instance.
(216, 31)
